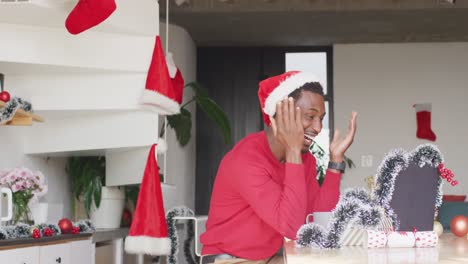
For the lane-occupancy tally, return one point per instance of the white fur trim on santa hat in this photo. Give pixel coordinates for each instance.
(285, 88)
(155, 246)
(171, 65)
(162, 146)
(159, 103)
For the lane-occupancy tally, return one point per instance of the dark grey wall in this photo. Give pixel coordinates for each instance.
(231, 76)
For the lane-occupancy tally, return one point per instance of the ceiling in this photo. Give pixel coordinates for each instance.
(319, 22)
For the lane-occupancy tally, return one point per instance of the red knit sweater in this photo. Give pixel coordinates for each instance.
(257, 200)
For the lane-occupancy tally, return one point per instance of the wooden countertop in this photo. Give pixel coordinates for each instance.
(451, 249)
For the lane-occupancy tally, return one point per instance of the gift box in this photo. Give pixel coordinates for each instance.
(353, 236)
(375, 239)
(426, 239)
(400, 239)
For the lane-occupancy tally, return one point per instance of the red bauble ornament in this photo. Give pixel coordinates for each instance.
(459, 225)
(48, 232)
(36, 233)
(65, 225)
(126, 217)
(4, 96)
(75, 230)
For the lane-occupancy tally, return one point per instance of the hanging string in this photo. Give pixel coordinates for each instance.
(167, 27)
(165, 153)
(165, 118)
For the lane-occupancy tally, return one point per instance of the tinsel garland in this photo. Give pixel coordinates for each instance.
(393, 164)
(355, 207)
(358, 208)
(15, 103)
(22, 230)
(188, 244)
(86, 226)
(181, 211)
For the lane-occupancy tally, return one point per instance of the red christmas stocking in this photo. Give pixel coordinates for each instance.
(89, 13)
(423, 118)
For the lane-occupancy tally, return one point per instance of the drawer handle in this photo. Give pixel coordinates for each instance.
(59, 260)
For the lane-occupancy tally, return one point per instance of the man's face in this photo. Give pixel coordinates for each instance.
(313, 111)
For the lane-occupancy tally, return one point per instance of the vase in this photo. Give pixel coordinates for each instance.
(21, 214)
(21, 210)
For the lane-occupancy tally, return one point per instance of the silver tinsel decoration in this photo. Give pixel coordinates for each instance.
(12, 106)
(180, 211)
(358, 208)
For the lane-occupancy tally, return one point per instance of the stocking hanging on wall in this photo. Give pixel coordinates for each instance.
(88, 13)
(423, 119)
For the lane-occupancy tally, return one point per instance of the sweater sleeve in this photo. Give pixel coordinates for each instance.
(329, 193)
(283, 207)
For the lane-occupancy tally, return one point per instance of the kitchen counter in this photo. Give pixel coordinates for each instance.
(451, 249)
(29, 242)
(102, 235)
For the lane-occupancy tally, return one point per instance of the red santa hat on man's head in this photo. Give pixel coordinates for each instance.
(148, 233)
(274, 89)
(159, 94)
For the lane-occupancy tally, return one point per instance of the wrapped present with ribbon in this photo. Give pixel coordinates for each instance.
(400, 239)
(375, 239)
(353, 236)
(426, 239)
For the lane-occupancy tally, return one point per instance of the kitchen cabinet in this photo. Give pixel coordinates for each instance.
(28, 255)
(57, 252)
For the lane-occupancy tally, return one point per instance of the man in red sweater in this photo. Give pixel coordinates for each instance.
(266, 185)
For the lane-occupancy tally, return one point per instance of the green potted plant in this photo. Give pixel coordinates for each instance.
(87, 175)
(102, 204)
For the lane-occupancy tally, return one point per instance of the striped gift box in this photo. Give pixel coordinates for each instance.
(352, 236)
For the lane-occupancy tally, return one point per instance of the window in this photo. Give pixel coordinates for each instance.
(319, 63)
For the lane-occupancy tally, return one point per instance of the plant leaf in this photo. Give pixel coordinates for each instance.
(349, 162)
(216, 114)
(182, 125)
(199, 89)
(87, 198)
(97, 191)
(131, 193)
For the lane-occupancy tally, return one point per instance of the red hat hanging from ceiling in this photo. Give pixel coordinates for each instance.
(148, 233)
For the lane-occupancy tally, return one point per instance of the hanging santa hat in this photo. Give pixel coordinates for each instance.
(276, 88)
(159, 94)
(176, 77)
(148, 233)
(89, 13)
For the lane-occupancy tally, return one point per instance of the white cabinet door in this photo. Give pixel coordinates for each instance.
(29, 255)
(82, 252)
(55, 254)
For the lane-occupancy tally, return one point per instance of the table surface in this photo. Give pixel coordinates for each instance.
(451, 249)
